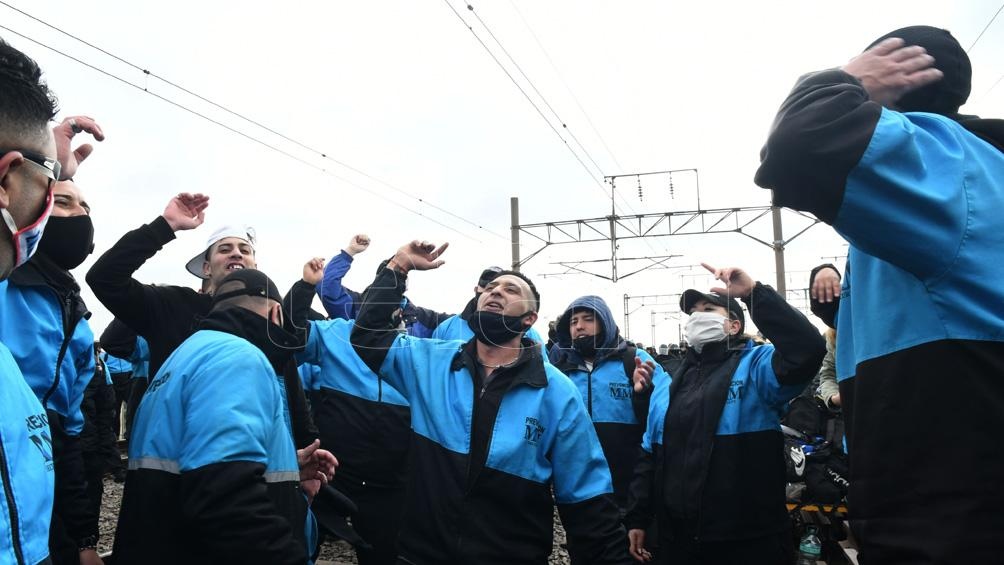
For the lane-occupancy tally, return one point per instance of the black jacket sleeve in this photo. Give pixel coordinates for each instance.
(374, 331)
(594, 532)
(428, 317)
(70, 502)
(798, 347)
(825, 311)
(118, 339)
(818, 137)
(111, 276)
(304, 430)
(639, 513)
(237, 517)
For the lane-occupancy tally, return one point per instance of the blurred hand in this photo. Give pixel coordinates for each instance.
(891, 69)
(637, 548)
(186, 211)
(826, 285)
(738, 284)
(835, 400)
(358, 244)
(90, 557)
(642, 378)
(313, 271)
(69, 159)
(417, 255)
(316, 464)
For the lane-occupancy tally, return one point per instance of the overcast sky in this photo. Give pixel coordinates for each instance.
(404, 93)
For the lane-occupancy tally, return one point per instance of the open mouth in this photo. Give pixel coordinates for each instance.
(234, 266)
(492, 306)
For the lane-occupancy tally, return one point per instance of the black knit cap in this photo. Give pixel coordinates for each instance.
(533, 288)
(256, 283)
(951, 92)
(692, 296)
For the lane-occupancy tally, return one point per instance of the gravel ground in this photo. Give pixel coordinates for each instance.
(337, 552)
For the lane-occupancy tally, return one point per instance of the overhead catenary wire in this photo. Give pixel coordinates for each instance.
(240, 133)
(599, 183)
(985, 28)
(256, 123)
(561, 78)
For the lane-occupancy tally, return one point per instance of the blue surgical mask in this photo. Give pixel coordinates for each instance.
(26, 239)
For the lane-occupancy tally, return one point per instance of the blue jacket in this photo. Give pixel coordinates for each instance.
(116, 365)
(362, 420)
(343, 303)
(211, 451)
(56, 363)
(488, 454)
(608, 389)
(921, 319)
(140, 359)
(26, 469)
(711, 465)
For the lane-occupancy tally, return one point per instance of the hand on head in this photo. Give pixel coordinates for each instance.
(891, 69)
(63, 134)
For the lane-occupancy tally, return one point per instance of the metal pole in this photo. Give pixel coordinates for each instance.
(778, 249)
(652, 312)
(613, 248)
(514, 215)
(627, 317)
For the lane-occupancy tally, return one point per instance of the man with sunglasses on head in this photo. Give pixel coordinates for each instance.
(31, 161)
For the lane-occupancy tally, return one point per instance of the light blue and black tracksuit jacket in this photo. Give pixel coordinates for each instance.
(362, 420)
(486, 455)
(212, 453)
(712, 465)
(43, 322)
(921, 320)
(26, 469)
(607, 388)
(342, 302)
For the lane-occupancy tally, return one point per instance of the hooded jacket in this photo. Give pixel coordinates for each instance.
(918, 196)
(617, 412)
(43, 321)
(212, 452)
(711, 465)
(27, 474)
(488, 455)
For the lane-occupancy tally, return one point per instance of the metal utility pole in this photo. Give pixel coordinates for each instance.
(614, 228)
(514, 215)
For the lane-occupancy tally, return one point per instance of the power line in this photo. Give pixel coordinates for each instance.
(256, 123)
(598, 182)
(238, 132)
(565, 84)
(564, 125)
(978, 37)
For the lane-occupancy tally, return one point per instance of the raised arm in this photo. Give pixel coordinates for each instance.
(338, 301)
(111, 276)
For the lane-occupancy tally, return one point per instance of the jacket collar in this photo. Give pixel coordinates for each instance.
(528, 369)
(42, 271)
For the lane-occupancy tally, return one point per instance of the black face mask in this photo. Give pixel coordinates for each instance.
(492, 328)
(68, 240)
(585, 346)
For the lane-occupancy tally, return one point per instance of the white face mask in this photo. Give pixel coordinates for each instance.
(703, 328)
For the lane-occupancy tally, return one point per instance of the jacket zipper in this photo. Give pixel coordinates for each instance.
(67, 336)
(8, 491)
(589, 392)
(379, 389)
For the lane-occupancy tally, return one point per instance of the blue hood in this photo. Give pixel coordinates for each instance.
(609, 339)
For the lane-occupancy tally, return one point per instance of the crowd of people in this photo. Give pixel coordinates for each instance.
(258, 426)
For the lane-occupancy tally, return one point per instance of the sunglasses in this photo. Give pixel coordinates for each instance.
(51, 167)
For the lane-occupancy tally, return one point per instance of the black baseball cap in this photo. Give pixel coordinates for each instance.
(488, 275)
(692, 296)
(253, 283)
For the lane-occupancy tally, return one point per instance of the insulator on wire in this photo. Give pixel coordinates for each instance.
(672, 191)
(641, 195)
